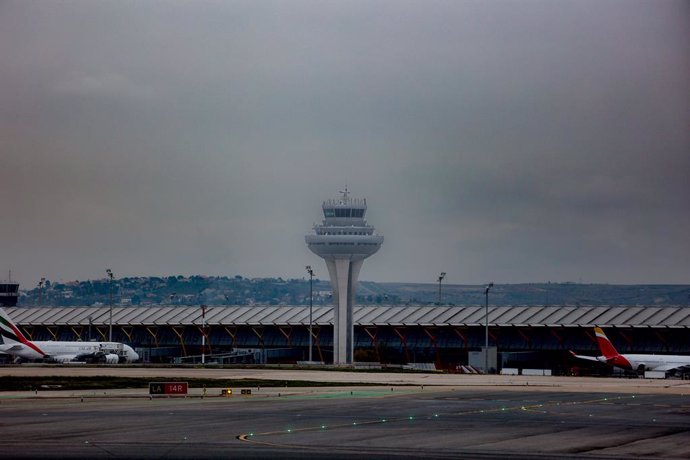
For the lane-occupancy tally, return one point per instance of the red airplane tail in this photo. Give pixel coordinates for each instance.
(605, 345)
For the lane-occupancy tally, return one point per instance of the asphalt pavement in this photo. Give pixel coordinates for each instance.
(539, 418)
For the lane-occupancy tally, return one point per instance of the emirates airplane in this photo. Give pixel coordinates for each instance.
(17, 345)
(638, 363)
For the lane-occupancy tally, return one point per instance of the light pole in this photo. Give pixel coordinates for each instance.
(41, 284)
(440, 278)
(203, 334)
(486, 329)
(110, 328)
(311, 304)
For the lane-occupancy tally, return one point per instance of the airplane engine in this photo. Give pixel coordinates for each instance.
(112, 358)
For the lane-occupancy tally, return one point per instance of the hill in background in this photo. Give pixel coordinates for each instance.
(545, 294)
(215, 290)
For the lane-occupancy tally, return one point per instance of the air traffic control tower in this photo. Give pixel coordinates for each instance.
(344, 240)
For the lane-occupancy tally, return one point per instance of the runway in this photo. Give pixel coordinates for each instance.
(434, 421)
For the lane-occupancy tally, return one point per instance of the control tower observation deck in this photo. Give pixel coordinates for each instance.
(9, 293)
(344, 240)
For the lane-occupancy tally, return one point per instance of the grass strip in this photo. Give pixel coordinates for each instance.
(13, 383)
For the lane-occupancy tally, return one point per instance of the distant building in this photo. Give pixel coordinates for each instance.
(9, 293)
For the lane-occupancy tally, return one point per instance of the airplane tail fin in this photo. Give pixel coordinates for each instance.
(9, 331)
(605, 345)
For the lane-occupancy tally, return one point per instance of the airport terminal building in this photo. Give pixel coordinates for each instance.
(525, 336)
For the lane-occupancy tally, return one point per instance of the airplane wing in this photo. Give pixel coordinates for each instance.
(89, 356)
(61, 358)
(588, 358)
(13, 348)
(99, 357)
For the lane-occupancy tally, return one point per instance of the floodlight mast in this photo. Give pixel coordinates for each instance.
(440, 278)
(41, 285)
(311, 302)
(486, 328)
(344, 240)
(203, 334)
(109, 272)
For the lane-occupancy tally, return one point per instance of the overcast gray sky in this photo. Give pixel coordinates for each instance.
(513, 141)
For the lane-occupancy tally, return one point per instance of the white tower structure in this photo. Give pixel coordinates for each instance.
(344, 240)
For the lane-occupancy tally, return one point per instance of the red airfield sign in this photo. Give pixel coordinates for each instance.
(168, 388)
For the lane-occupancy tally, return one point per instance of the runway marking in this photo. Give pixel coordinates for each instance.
(531, 408)
(354, 394)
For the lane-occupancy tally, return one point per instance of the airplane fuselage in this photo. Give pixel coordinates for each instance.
(647, 362)
(634, 362)
(69, 351)
(19, 346)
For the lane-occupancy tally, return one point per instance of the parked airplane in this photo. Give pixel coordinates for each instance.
(638, 363)
(17, 345)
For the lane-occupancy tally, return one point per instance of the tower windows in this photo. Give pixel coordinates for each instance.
(343, 212)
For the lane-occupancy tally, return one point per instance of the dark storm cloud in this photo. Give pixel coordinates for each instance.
(494, 140)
